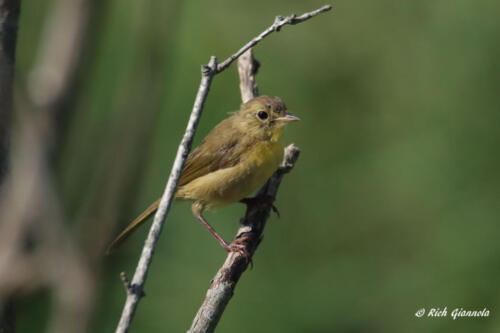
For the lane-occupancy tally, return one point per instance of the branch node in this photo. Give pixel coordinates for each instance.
(277, 20)
(126, 283)
(205, 70)
(131, 289)
(137, 290)
(210, 69)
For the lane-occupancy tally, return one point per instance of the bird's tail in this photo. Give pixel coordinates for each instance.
(132, 226)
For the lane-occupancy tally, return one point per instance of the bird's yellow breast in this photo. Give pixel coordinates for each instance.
(229, 185)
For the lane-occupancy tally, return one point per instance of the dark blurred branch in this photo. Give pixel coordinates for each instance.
(135, 291)
(9, 17)
(36, 248)
(8, 317)
(55, 75)
(250, 232)
(61, 52)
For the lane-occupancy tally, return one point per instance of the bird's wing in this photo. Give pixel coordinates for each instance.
(219, 150)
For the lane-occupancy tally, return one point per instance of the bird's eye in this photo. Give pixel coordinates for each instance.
(262, 115)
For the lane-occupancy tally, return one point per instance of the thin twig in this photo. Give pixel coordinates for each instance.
(279, 22)
(208, 71)
(250, 232)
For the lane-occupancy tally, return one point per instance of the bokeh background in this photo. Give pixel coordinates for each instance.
(393, 205)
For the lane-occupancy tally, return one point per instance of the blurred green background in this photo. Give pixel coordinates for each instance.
(393, 205)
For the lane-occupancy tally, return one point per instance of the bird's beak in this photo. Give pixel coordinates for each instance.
(288, 117)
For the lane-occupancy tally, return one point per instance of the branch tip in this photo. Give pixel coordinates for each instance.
(279, 21)
(292, 153)
(126, 283)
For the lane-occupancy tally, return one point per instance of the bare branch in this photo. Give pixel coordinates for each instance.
(208, 71)
(279, 22)
(250, 232)
(247, 69)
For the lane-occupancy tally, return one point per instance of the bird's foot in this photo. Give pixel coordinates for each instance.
(238, 246)
(261, 200)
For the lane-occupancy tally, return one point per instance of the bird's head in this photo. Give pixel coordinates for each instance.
(264, 117)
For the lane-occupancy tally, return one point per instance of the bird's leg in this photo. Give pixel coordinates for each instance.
(235, 246)
(261, 200)
(214, 233)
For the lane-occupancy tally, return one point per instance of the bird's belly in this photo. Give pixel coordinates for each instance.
(230, 185)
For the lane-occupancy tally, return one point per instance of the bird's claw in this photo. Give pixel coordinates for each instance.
(238, 247)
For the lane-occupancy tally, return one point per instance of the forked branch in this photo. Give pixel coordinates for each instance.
(207, 73)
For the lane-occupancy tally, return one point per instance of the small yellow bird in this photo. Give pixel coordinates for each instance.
(235, 159)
